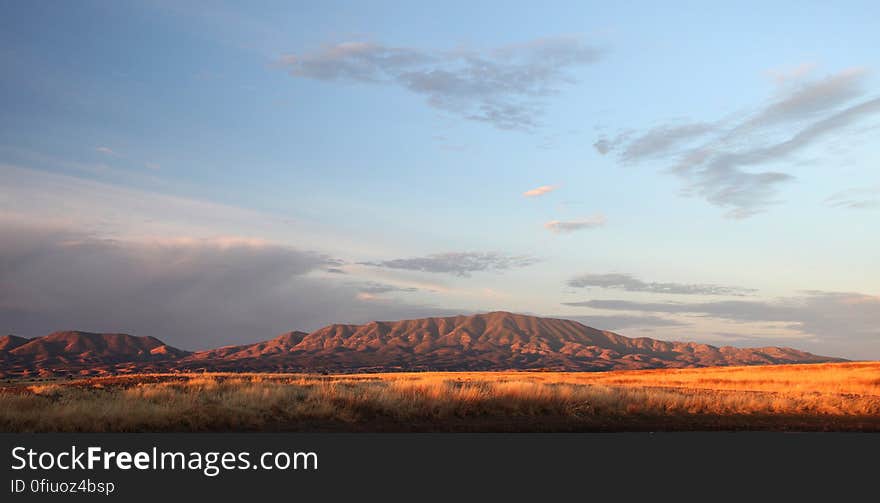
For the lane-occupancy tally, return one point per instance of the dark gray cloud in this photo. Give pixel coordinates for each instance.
(726, 161)
(505, 87)
(458, 263)
(856, 199)
(629, 283)
(846, 323)
(190, 293)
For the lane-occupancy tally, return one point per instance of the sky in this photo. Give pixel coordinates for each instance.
(215, 173)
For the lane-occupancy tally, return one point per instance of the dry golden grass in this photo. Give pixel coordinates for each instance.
(800, 397)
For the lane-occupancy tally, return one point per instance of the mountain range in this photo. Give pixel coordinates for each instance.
(482, 342)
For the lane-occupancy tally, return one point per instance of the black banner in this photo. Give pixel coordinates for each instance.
(414, 467)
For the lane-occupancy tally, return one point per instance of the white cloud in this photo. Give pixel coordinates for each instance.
(540, 191)
(567, 226)
(787, 74)
(855, 199)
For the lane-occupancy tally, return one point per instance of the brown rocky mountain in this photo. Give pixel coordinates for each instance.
(9, 342)
(492, 341)
(83, 352)
(284, 344)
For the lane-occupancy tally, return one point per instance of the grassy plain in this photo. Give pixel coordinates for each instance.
(816, 397)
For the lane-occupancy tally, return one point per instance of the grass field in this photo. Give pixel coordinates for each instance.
(819, 397)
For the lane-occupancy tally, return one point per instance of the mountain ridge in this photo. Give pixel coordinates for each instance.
(497, 340)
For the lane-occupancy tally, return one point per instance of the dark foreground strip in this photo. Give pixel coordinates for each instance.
(441, 467)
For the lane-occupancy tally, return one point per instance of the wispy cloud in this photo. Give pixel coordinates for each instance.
(505, 87)
(105, 150)
(567, 226)
(787, 74)
(376, 288)
(458, 263)
(540, 191)
(724, 161)
(629, 283)
(856, 199)
(811, 100)
(41, 196)
(624, 321)
(659, 140)
(846, 318)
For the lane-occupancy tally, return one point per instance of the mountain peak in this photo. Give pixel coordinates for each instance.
(498, 340)
(73, 350)
(10, 342)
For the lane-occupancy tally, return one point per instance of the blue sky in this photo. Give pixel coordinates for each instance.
(215, 173)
